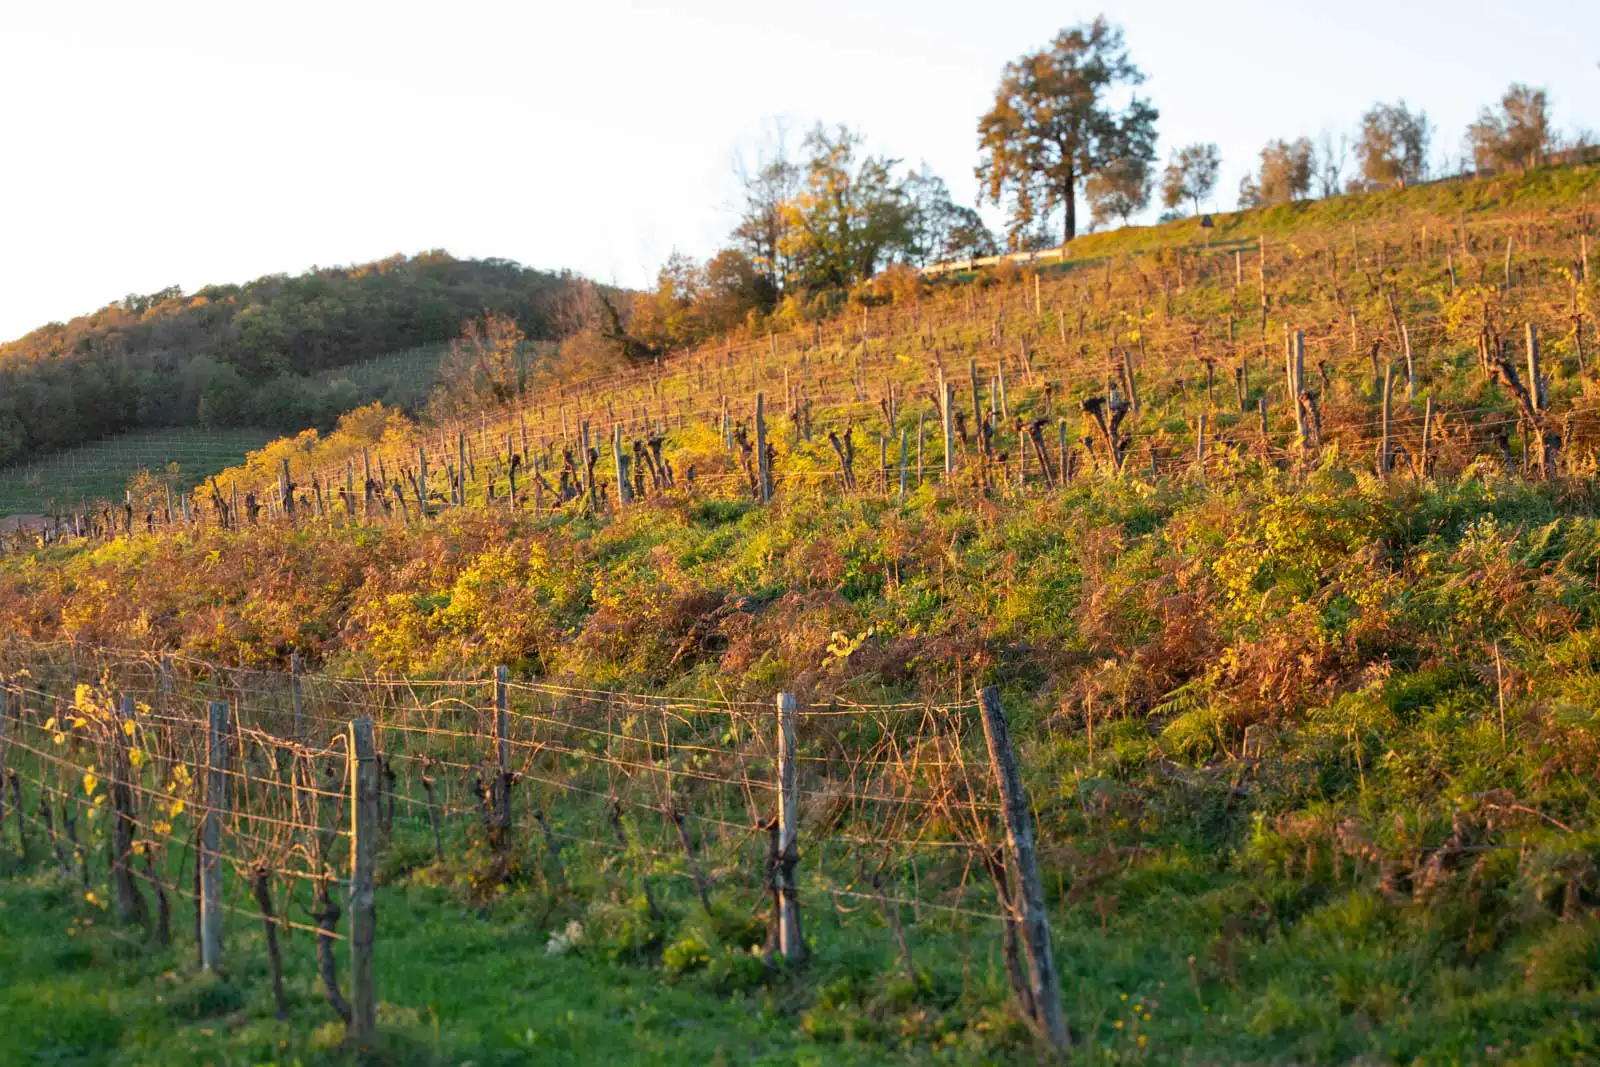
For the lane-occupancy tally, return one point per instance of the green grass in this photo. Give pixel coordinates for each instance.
(1555, 187)
(1350, 980)
(100, 471)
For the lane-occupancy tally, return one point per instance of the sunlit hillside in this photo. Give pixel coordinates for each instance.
(1267, 550)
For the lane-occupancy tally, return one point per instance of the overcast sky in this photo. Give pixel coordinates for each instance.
(152, 144)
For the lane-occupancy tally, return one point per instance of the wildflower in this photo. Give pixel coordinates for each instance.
(565, 940)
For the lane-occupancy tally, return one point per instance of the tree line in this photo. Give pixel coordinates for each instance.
(1067, 129)
(253, 354)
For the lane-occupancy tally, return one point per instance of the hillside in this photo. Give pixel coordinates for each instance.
(1278, 541)
(255, 354)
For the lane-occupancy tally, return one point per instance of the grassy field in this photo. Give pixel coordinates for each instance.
(100, 471)
(402, 380)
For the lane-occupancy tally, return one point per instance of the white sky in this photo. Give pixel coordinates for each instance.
(175, 143)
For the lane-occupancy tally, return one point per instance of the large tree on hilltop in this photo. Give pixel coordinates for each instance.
(1052, 126)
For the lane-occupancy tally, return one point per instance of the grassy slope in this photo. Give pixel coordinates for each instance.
(1272, 910)
(100, 471)
(1546, 188)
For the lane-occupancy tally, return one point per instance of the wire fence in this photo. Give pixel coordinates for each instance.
(153, 769)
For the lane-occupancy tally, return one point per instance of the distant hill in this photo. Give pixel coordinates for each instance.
(255, 354)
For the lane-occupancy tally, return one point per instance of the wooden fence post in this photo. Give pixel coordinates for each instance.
(624, 493)
(211, 839)
(977, 396)
(1411, 367)
(904, 434)
(1536, 390)
(501, 797)
(294, 691)
(422, 481)
(286, 489)
(5, 712)
(1385, 449)
(363, 914)
(1127, 374)
(1044, 982)
(791, 943)
(946, 407)
(922, 425)
(1427, 436)
(763, 469)
(1295, 372)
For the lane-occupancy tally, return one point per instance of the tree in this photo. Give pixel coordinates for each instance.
(773, 180)
(1052, 128)
(850, 216)
(940, 228)
(734, 286)
(1191, 175)
(484, 365)
(1285, 174)
(1517, 135)
(1120, 190)
(1393, 149)
(1328, 160)
(968, 237)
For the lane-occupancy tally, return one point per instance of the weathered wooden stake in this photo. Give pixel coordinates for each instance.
(1427, 437)
(763, 468)
(904, 433)
(363, 776)
(422, 481)
(295, 697)
(211, 838)
(1411, 368)
(790, 941)
(922, 424)
(5, 712)
(1044, 983)
(977, 395)
(624, 493)
(1296, 373)
(946, 418)
(1385, 454)
(461, 469)
(1536, 386)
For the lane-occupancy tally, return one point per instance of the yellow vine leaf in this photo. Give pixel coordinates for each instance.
(89, 781)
